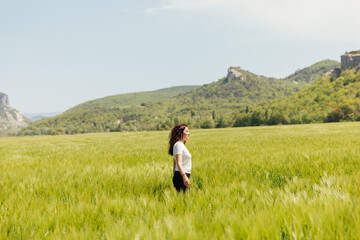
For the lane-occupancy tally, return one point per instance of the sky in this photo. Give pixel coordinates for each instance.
(57, 54)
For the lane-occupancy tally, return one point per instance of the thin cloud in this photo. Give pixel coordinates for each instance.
(295, 18)
(184, 5)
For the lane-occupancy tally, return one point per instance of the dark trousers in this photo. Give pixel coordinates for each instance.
(178, 181)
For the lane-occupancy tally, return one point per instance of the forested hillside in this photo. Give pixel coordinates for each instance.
(131, 99)
(211, 105)
(326, 101)
(313, 73)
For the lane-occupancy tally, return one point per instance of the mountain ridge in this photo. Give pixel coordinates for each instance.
(135, 98)
(206, 106)
(328, 100)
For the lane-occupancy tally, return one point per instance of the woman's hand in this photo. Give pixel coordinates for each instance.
(186, 181)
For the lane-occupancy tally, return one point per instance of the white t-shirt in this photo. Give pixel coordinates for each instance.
(179, 148)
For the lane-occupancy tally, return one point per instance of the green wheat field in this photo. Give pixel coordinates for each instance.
(279, 182)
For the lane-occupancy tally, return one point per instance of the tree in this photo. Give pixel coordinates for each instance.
(336, 115)
(242, 120)
(256, 118)
(207, 123)
(221, 123)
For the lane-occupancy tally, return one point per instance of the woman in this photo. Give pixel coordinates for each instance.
(182, 158)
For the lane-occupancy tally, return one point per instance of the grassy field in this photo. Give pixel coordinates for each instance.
(281, 182)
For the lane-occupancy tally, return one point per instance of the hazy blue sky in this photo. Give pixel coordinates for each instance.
(57, 54)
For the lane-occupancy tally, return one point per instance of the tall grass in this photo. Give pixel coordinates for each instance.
(281, 182)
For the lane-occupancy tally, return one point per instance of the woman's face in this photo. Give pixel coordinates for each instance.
(186, 134)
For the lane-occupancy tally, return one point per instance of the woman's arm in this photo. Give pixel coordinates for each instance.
(181, 170)
(174, 163)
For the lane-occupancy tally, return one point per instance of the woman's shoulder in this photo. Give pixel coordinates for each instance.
(179, 143)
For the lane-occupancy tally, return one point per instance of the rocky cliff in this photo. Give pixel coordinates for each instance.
(350, 60)
(10, 118)
(235, 73)
(4, 99)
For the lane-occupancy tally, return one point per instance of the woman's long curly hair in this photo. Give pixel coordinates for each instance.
(176, 134)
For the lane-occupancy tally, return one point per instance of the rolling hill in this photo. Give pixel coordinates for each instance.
(131, 99)
(313, 73)
(328, 100)
(207, 106)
